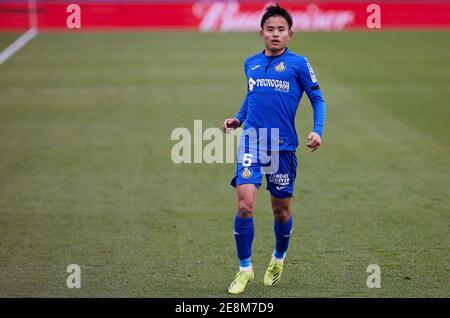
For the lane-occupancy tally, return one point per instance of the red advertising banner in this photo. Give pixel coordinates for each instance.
(223, 16)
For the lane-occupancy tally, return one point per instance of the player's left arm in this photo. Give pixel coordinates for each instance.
(310, 84)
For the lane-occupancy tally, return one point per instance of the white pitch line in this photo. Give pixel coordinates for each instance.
(17, 44)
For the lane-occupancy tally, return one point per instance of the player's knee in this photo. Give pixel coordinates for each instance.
(245, 209)
(282, 213)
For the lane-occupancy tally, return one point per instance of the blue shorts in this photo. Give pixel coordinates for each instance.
(280, 183)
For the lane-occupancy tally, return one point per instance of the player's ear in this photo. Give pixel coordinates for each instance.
(261, 33)
(291, 34)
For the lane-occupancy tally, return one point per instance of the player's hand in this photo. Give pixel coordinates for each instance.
(230, 123)
(314, 141)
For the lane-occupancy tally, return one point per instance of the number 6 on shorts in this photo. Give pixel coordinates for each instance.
(247, 161)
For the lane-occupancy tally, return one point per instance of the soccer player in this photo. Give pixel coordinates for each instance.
(276, 80)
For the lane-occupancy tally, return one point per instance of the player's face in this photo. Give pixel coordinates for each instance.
(276, 35)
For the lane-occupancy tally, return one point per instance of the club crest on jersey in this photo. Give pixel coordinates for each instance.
(280, 67)
(246, 173)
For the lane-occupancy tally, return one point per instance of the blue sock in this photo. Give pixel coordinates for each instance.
(243, 234)
(282, 236)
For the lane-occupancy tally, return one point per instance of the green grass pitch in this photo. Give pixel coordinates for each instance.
(86, 175)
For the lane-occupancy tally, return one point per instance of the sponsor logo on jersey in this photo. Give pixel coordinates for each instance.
(255, 67)
(251, 84)
(311, 73)
(246, 173)
(280, 67)
(278, 85)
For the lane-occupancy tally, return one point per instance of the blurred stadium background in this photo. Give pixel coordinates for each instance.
(86, 176)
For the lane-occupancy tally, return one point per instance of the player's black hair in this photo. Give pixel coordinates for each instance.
(276, 10)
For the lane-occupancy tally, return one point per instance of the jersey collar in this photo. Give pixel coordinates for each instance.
(286, 50)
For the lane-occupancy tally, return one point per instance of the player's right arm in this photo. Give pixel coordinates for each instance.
(239, 119)
(230, 123)
(240, 116)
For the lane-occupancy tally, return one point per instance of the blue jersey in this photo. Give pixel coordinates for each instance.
(275, 88)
